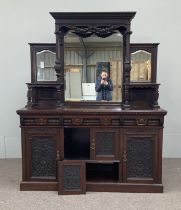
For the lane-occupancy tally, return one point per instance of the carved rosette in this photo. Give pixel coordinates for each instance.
(141, 121)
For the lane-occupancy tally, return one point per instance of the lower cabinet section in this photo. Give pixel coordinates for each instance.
(42, 147)
(140, 155)
(78, 159)
(102, 171)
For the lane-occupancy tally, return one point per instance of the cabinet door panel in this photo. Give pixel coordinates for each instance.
(140, 156)
(43, 155)
(104, 144)
(72, 178)
(43, 149)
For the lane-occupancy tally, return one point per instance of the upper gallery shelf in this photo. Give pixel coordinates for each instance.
(94, 61)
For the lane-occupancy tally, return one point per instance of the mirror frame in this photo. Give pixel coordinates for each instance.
(151, 48)
(100, 22)
(85, 24)
(34, 49)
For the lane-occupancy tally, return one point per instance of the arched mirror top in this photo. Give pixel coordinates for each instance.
(45, 61)
(140, 66)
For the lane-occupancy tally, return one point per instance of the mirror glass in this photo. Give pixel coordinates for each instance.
(93, 67)
(140, 66)
(45, 65)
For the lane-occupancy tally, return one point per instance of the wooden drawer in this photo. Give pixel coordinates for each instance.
(141, 121)
(94, 120)
(41, 121)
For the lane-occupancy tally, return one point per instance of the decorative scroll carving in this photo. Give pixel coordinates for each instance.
(105, 121)
(104, 143)
(29, 96)
(43, 156)
(71, 177)
(41, 121)
(100, 31)
(141, 121)
(140, 157)
(155, 98)
(77, 121)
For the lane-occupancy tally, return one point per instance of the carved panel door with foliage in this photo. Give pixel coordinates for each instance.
(104, 144)
(43, 149)
(140, 155)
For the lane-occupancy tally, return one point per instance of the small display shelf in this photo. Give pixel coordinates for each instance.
(102, 171)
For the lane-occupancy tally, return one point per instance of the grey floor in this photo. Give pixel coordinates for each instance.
(12, 198)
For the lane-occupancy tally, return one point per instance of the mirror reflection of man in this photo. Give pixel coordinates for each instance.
(104, 86)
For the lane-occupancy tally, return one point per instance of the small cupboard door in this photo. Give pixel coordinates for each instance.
(43, 149)
(140, 155)
(72, 177)
(104, 143)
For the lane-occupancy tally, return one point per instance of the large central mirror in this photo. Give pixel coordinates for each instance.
(93, 67)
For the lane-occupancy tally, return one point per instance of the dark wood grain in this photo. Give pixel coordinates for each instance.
(50, 126)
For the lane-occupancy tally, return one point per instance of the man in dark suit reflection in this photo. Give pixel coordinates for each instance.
(104, 87)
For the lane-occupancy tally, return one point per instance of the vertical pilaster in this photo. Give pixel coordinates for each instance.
(126, 67)
(60, 32)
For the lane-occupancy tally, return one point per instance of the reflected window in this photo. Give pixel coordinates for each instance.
(89, 56)
(45, 66)
(140, 66)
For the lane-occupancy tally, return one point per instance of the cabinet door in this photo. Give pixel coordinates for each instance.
(104, 143)
(71, 177)
(140, 155)
(43, 148)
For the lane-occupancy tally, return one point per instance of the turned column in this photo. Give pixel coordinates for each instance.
(126, 67)
(59, 63)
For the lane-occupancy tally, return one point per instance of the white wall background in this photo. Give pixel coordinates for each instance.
(24, 21)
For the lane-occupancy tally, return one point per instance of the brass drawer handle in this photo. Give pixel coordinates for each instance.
(92, 146)
(58, 155)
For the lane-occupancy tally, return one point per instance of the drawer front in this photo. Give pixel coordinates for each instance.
(141, 121)
(41, 121)
(94, 120)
